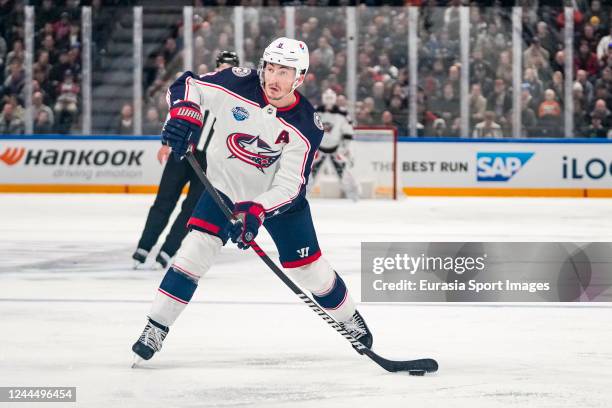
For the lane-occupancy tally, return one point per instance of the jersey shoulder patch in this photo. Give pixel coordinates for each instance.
(241, 71)
(317, 121)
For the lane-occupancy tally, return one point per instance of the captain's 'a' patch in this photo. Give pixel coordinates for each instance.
(318, 122)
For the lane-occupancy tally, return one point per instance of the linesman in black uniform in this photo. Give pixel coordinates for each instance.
(176, 174)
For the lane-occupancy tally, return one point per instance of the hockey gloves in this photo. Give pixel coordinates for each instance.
(183, 128)
(249, 216)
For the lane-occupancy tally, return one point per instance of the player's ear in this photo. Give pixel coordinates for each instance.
(300, 80)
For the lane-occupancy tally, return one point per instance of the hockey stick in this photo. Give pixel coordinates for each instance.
(414, 367)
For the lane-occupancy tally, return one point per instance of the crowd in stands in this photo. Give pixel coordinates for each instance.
(382, 64)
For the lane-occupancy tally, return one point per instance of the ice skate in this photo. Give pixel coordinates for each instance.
(150, 341)
(139, 256)
(162, 260)
(357, 328)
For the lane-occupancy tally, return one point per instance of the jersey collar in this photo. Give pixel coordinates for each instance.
(286, 108)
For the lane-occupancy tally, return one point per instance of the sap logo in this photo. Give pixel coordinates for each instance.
(240, 113)
(12, 155)
(500, 166)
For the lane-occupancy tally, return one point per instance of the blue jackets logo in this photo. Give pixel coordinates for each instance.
(500, 166)
(240, 113)
(252, 150)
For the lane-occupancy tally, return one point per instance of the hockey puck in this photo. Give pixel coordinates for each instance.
(417, 373)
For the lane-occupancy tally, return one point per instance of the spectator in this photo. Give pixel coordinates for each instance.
(378, 94)
(42, 123)
(588, 36)
(386, 119)
(478, 104)
(504, 67)
(587, 87)
(384, 68)
(202, 69)
(535, 55)
(438, 128)
(56, 75)
(66, 104)
(61, 28)
(170, 50)
(14, 83)
(596, 12)
(549, 114)
(46, 13)
(580, 117)
(125, 125)
(535, 84)
(74, 37)
(596, 129)
(558, 64)
(48, 45)
(546, 38)
(604, 44)
(500, 101)
(42, 63)
(447, 107)
(9, 122)
(527, 99)
(586, 59)
(17, 54)
(558, 86)
(454, 78)
(528, 116)
(602, 112)
(488, 128)
(152, 125)
(325, 53)
(38, 106)
(482, 77)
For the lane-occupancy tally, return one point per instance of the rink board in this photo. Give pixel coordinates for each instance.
(506, 167)
(425, 166)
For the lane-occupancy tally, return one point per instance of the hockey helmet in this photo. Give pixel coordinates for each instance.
(288, 52)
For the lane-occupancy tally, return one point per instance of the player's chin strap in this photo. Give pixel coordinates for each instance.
(415, 367)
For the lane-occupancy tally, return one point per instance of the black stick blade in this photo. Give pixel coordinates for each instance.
(414, 367)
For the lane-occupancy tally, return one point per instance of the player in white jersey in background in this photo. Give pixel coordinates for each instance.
(259, 161)
(335, 144)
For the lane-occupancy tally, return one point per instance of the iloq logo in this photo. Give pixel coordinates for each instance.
(594, 168)
(12, 155)
(500, 166)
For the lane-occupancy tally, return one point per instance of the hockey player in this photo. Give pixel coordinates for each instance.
(335, 144)
(259, 161)
(177, 173)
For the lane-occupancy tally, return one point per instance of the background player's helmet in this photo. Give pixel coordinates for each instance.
(288, 52)
(328, 98)
(227, 57)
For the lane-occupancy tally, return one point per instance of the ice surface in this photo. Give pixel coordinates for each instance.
(70, 308)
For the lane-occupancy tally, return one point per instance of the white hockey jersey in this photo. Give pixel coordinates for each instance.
(258, 152)
(337, 127)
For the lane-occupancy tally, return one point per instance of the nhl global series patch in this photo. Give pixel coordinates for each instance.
(240, 113)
